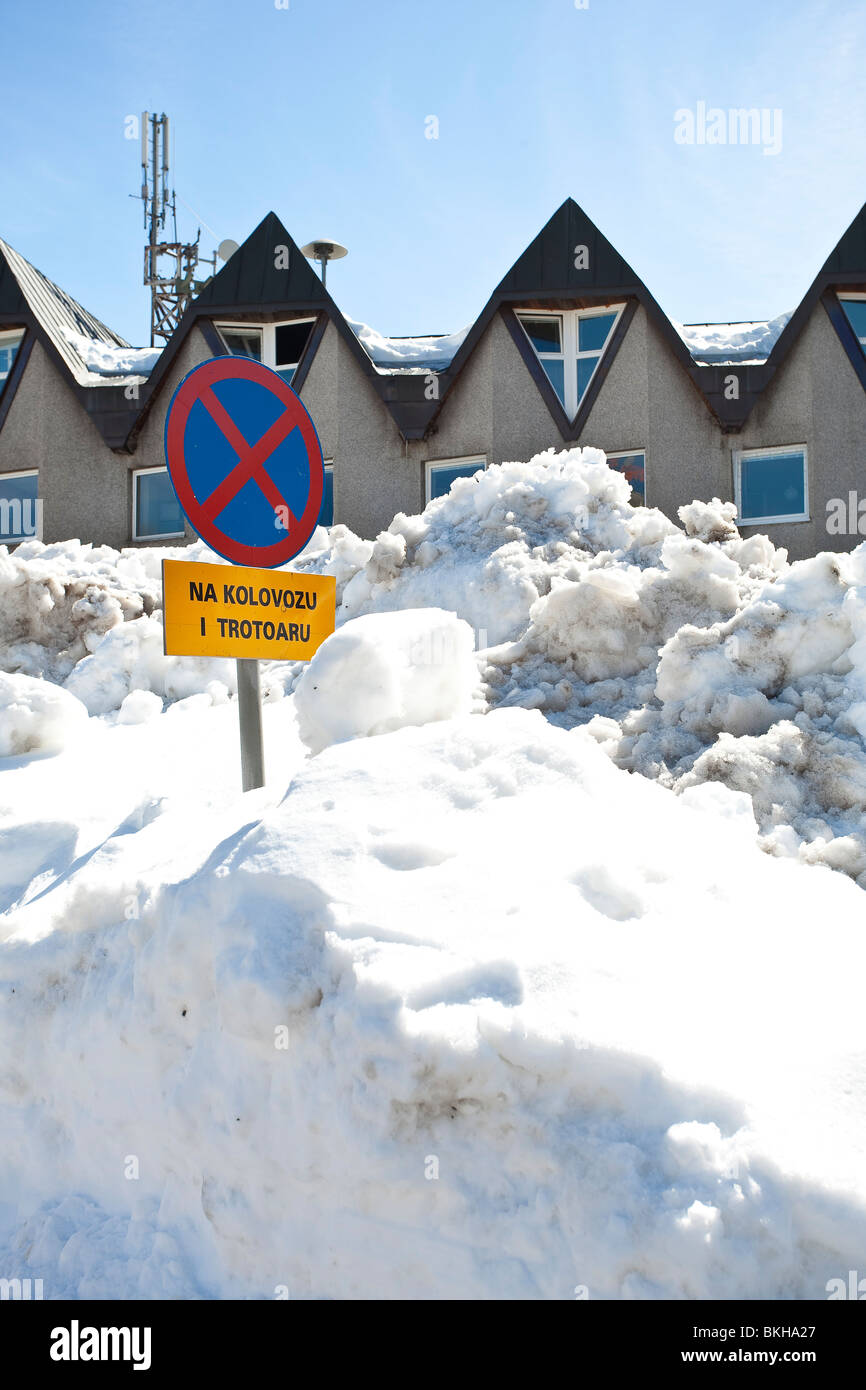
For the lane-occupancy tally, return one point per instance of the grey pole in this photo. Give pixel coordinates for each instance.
(250, 715)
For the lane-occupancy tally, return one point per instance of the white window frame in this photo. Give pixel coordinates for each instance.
(23, 473)
(627, 454)
(464, 461)
(269, 339)
(851, 294)
(569, 339)
(19, 334)
(163, 535)
(740, 454)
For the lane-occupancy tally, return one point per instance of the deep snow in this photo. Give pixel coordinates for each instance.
(560, 997)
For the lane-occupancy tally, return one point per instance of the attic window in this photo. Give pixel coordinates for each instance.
(279, 346)
(570, 345)
(10, 342)
(246, 342)
(854, 306)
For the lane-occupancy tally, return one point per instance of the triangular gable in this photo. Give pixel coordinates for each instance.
(555, 263)
(845, 267)
(569, 261)
(847, 260)
(257, 280)
(256, 275)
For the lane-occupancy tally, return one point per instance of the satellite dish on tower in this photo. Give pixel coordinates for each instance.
(324, 250)
(227, 249)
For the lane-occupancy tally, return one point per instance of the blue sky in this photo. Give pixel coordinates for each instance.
(318, 112)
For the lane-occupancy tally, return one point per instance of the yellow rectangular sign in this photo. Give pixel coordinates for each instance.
(230, 610)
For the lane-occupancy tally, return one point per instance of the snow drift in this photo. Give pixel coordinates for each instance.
(467, 1013)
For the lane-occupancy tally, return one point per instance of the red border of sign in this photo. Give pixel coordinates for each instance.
(185, 396)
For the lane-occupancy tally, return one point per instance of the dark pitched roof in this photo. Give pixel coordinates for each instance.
(28, 298)
(251, 279)
(252, 282)
(57, 313)
(844, 268)
(548, 265)
(550, 273)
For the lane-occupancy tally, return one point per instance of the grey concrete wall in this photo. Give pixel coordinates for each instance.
(374, 476)
(665, 414)
(815, 399)
(645, 402)
(82, 483)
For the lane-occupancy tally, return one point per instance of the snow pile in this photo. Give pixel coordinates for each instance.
(107, 359)
(88, 616)
(58, 601)
(495, 543)
(693, 654)
(721, 344)
(430, 353)
(37, 717)
(386, 671)
(462, 1014)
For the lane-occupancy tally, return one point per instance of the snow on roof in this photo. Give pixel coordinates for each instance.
(721, 344)
(67, 323)
(430, 353)
(107, 360)
(717, 344)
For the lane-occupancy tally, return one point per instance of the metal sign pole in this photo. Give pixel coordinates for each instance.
(250, 715)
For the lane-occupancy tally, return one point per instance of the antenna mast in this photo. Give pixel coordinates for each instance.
(169, 266)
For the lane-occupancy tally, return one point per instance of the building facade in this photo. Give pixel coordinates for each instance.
(571, 348)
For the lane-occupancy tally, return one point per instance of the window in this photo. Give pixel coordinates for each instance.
(19, 507)
(279, 346)
(442, 473)
(854, 306)
(326, 515)
(156, 512)
(569, 346)
(633, 465)
(10, 342)
(243, 342)
(771, 485)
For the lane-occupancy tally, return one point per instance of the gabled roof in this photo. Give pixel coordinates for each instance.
(65, 328)
(844, 268)
(551, 273)
(26, 291)
(255, 281)
(251, 278)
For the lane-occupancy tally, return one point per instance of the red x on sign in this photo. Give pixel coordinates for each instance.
(249, 526)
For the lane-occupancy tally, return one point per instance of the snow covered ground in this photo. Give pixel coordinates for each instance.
(538, 978)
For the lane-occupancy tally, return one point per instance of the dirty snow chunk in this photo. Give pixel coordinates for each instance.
(37, 717)
(384, 671)
(709, 521)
